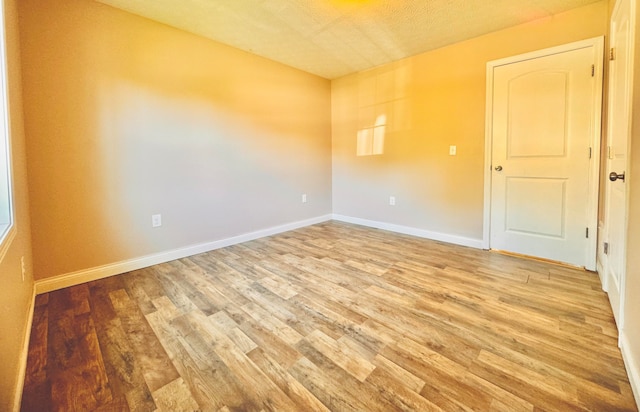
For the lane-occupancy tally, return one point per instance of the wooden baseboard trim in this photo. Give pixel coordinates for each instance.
(24, 354)
(632, 366)
(407, 230)
(99, 272)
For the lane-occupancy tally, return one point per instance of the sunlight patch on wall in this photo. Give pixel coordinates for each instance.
(371, 139)
(382, 107)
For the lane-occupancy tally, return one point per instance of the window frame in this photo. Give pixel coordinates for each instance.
(7, 217)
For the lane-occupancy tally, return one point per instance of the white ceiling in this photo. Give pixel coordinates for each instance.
(332, 38)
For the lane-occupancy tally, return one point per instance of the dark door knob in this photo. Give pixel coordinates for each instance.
(498, 168)
(613, 176)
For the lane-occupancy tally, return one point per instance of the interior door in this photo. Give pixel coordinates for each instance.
(618, 130)
(543, 121)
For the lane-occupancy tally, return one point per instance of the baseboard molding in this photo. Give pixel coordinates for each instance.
(632, 366)
(442, 237)
(99, 272)
(17, 400)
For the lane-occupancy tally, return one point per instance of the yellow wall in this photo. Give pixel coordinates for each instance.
(127, 117)
(432, 100)
(15, 294)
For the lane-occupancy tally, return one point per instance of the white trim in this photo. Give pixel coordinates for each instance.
(442, 237)
(24, 354)
(610, 283)
(597, 43)
(622, 287)
(488, 151)
(602, 260)
(632, 366)
(596, 139)
(7, 240)
(99, 272)
(6, 237)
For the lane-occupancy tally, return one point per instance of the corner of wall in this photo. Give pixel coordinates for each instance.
(87, 275)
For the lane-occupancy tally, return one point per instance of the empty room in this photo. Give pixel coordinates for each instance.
(331, 205)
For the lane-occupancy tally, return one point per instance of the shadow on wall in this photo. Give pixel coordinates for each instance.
(203, 167)
(210, 167)
(139, 119)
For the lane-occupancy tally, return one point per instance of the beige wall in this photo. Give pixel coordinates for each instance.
(15, 294)
(432, 100)
(127, 118)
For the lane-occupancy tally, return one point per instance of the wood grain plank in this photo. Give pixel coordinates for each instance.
(289, 385)
(332, 316)
(175, 396)
(255, 383)
(157, 368)
(341, 355)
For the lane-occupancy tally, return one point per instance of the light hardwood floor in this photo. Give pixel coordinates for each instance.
(330, 317)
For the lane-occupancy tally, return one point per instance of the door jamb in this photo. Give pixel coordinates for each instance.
(604, 259)
(597, 43)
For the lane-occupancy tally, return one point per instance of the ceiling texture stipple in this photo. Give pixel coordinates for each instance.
(332, 38)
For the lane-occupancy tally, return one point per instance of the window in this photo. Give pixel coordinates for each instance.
(6, 212)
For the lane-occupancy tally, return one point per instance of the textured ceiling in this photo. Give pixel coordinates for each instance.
(332, 38)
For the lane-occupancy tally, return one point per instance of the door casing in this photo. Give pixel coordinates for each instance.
(597, 45)
(604, 261)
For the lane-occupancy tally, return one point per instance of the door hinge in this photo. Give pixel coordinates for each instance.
(612, 54)
(590, 152)
(605, 248)
(587, 233)
(593, 70)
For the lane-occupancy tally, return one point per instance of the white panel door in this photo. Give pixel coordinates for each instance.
(542, 125)
(618, 130)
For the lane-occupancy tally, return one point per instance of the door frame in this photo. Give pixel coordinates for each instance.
(603, 259)
(597, 43)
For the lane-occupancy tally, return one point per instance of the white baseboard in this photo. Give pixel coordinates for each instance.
(632, 366)
(442, 237)
(99, 272)
(24, 355)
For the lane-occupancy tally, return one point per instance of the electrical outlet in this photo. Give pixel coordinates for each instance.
(23, 268)
(453, 150)
(392, 200)
(304, 198)
(156, 220)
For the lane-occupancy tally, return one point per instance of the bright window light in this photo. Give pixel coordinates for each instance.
(6, 212)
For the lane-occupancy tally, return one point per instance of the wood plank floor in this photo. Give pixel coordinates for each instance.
(330, 317)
